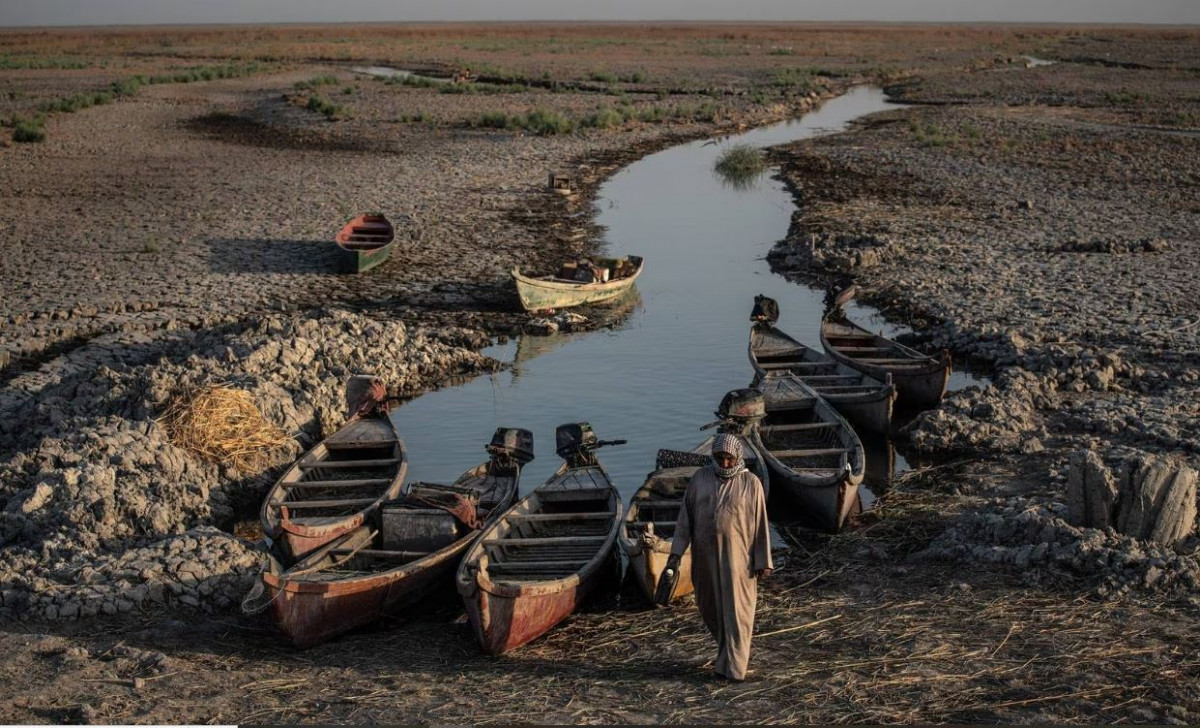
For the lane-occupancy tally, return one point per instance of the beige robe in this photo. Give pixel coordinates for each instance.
(725, 523)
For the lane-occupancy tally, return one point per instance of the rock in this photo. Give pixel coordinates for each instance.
(1091, 491)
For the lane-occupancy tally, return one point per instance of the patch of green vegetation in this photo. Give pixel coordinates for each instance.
(29, 130)
(205, 73)
(543, 122)
(781, 52)
(794, 79)
(740, 165)
(1126, 98)
(606, 118)
(929, 134)
(71, 104)
(638, 76)
(324, 106)
(602, 77)
(347, 90)
(416, 118)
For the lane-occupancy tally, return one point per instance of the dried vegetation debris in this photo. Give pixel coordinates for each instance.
(90, 492)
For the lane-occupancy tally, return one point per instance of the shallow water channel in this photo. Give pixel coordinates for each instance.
(659, 374)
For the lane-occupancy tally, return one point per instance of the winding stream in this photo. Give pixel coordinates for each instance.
(656, 377)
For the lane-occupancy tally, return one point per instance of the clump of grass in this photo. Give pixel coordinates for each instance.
(543, 122)
(740, 165)
(29, 130)
(416, 118)
(929, 134)
(602, 77)
(547, 122)
(606, 118)
(321, 105)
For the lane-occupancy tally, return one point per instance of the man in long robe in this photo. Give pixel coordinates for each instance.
(724, 520)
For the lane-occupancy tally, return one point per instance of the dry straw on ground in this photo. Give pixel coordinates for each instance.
(222, 424)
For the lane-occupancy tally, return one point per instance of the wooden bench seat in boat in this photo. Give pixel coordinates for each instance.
(798, 365)
(332, 503)
(543, 540)
(573, 494)
(798, 427)
(539, 517)
(810, 453)
(376, 463)
(382, 553)
(810, 378)
(349, 483)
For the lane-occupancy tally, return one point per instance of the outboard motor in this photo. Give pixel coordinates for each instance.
(577, 444)
(511, 443)
(766, 310)
(741, 409)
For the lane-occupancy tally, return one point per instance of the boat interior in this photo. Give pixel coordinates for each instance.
(818, 371)
(656, 504)
(554, 539)
(596, 270)
(368, 234)
(411, 527)
(799, 438)
(355, 465)
(871, 349)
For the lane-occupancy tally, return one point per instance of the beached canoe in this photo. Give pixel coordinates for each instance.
(545, 292)
(332, 489)
(815, 458)
(863, 400)
(920, 379)
(649, 525)
(409, 549)
(365, 242)
(542, 558)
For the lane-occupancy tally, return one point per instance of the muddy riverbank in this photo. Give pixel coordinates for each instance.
(1025, 217)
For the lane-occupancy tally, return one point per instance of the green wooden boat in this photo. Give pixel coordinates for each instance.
(544, 292)
(365, 242)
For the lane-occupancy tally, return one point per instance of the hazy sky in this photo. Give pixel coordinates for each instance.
(122, 12)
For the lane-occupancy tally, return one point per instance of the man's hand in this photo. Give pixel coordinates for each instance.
(760, 573)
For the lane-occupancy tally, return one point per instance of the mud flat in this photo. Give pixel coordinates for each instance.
(1040, 220)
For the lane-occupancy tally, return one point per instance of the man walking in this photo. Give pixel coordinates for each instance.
(724, 520)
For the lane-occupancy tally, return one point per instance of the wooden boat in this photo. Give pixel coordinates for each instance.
(332, 489)
(815, 457)
(543, 557)
(920, 379)
(649, 525)
(864, 401)
(365, 242)
(409, 548)
(546, 292)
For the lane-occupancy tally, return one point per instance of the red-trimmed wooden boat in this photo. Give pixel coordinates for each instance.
(920, 379)
(542, 558)
(409, 549)
(332, 489)
(365, 242)
(865, 401)
(815, 458)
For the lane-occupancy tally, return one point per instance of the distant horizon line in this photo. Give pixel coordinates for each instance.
(610, 21)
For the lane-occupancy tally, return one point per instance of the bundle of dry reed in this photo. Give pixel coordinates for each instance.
(222, 424)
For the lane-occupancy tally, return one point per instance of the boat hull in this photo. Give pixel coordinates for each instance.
(311, 608)
(920, 380)
(359, 261)
(300, 532)
(824, 473)
(311, 613)
(508, 611)
(868, 405)
(539, 294)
